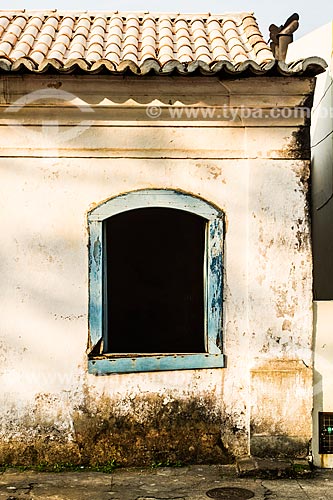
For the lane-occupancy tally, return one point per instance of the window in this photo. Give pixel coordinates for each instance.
(325, 432)
(154, 263)
(155, 283)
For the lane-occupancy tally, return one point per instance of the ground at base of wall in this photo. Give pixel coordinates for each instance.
(179, 483)
(243, 467)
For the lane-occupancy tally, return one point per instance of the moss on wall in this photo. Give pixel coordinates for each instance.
(153, 430)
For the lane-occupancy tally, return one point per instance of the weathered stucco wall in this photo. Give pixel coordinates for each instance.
(254, 168)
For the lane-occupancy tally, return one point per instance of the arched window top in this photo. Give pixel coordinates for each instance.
(166, 198)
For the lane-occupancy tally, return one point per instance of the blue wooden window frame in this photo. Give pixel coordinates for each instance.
(213, 357)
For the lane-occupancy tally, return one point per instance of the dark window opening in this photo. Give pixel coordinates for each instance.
(325, 432)
(154, 281)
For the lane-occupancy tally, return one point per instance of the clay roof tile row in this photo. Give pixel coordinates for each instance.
(138, 42)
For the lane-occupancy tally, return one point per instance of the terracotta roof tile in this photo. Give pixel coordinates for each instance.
(166, 37)
(76, 52)
(214, 24)
(200, 41)
(23, 48)
(48, 30)
(202, 50)
(165, 54)
(96, 39)
(52, 21)
(199, 33)
(5, 48)
(4, 20)
(139, 42)
(37, 56)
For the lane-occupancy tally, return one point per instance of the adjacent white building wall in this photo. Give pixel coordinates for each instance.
(319, 43)
(323, 373)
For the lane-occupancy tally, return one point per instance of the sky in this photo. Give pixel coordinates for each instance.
(313, 14)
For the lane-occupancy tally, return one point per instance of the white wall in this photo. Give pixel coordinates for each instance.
(248, 167)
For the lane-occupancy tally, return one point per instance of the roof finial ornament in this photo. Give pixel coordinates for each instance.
(282, 36)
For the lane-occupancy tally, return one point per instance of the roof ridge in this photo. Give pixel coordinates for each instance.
(123, 12)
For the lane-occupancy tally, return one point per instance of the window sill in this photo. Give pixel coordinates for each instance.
(109, 365)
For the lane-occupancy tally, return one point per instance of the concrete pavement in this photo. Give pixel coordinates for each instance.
(165, 483)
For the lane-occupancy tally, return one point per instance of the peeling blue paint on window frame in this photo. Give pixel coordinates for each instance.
(213, 357)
